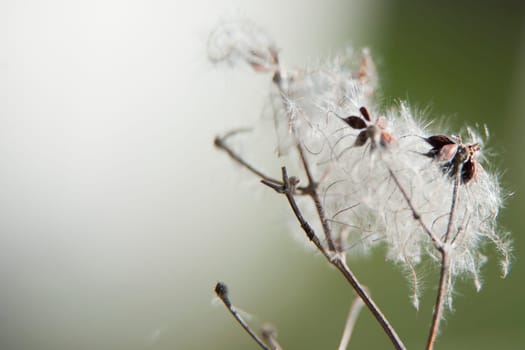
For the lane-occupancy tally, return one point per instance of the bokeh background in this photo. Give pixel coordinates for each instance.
(117, 216)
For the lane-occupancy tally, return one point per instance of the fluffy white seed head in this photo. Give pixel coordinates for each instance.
(242, 41)
(379, 181)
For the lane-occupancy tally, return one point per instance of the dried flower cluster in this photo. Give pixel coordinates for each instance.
(383, 177)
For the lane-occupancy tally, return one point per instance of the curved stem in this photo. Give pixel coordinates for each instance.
(288, 190)
(440, 300)
(340, 264)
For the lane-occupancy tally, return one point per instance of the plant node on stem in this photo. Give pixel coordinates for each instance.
(336, 261)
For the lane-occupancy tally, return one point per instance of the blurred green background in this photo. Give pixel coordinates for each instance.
(117, 216)
(467, 60)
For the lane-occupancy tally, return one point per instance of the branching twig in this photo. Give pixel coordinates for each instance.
(287, 189)
(222, 292)
(312, 185)
(311, 188)
(305, 97)
(445, 268)
(442, 248)
(220, 143)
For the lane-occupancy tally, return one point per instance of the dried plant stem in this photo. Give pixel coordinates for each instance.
(337, 261)
(440, 300)
(220, 143)
(453, 205)
(445, 268)
(222, 292)
(442, 247)
(312, 184)
(413, 206)
(415, 213)
(314, 194)
(351, 320)
(288, 190)
(369, 302)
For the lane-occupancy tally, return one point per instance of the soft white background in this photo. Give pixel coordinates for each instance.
(117, 216)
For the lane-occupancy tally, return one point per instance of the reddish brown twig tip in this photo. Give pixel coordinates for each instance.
(221, 290)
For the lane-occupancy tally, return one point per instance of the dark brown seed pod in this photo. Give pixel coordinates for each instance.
(355, 122)
(361, 138)
(365, 114)
(469, 170)
(375, 132)
(457, 157)
(438, 141)
(447, 152)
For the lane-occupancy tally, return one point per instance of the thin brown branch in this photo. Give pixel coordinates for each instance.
(311, 188)
(369, 302)
(453, 205)
(351, 320)
(222, 292)
(220, 143)
(444, 275)
(442, 247)
(288, 190)
(440, 300)
(415, 213)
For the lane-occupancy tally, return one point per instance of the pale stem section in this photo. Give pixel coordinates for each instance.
(351, 320)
